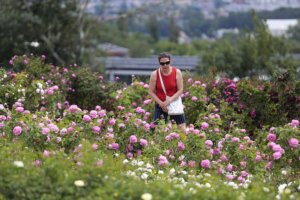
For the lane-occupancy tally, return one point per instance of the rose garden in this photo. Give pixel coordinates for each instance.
(66, 133)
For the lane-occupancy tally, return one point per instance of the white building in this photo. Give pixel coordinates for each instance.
(279, 27)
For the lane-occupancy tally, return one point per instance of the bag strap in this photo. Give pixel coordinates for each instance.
(162, 82)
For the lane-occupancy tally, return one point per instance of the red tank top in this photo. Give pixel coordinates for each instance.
(169, 82)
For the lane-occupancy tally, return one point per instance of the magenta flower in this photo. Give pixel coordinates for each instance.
(86, 118)
(94, 114)
(180, 146)
(224, 158)
(293, 142)
(295, 123)
(258, 158)
(50, 91)
(229, 168)
(277, 155)
(129, 155)
(162, 160)
(114, 146)
(139, 110)
(205, 164)
(17, 130)
(132, 139)
(271, 137)
(143, 142)
(277, 148)
(112, 122)
(204, 126)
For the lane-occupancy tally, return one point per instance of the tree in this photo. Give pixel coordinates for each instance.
(295, 32)
(174, 30)
(56, 28)
(153, 28)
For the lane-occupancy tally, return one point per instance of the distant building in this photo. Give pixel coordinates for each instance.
(183, 38)
(125, 67)
(114, 50)
(279, 27)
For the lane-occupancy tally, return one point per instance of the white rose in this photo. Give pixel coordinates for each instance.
(19, 163)
(79, 183)
(146, 196)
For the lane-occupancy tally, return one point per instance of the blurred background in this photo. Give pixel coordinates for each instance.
(233, 38)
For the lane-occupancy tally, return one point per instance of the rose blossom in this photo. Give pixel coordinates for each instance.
(17, 131)
(293, 142)
(205, 164)
(132, 139)
(271, 137)
(204, 126)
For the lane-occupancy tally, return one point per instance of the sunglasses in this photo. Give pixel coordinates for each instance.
(164, 63)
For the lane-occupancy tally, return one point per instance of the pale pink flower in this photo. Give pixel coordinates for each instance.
(293, 142)
(94, 147)
(73, 108)
(46, 153)
(208, 143)
(230, 177)
(86, 118)
(93, 114)
(45, 131)
(17, 130)
(192, 163)
(194, 99)
(96, 129)
(20, 109)
(163, 160)
(277, 155)
(99, 163)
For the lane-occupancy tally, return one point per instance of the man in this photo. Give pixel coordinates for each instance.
(173, 82)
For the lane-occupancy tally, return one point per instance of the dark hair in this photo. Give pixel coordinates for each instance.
(164, 55)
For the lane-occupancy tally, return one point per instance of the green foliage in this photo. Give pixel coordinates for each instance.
(89, 90)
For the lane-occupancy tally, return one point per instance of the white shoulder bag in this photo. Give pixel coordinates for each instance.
(176, 106)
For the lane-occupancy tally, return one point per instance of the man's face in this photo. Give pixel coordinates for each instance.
(164, 62)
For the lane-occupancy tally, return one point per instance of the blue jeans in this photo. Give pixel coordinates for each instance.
(158, 112)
